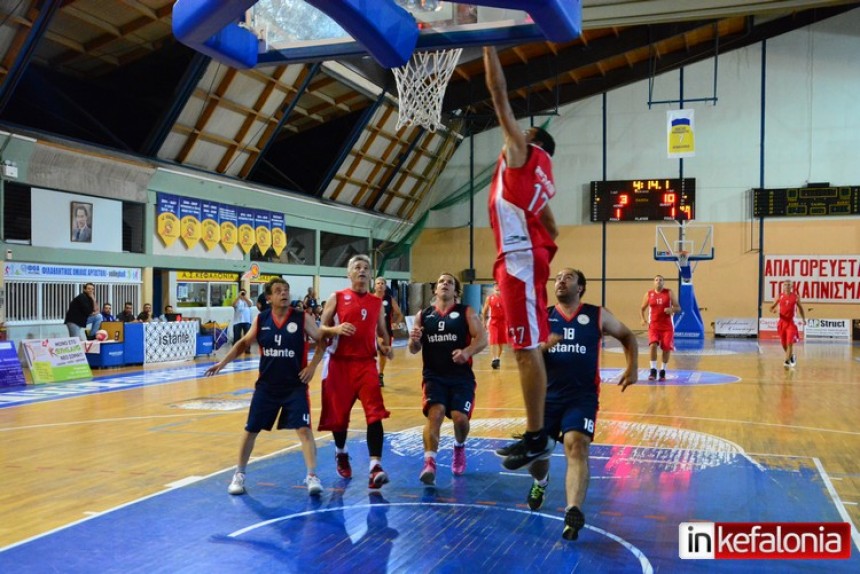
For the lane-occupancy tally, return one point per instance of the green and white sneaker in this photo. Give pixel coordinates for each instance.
(536, 495)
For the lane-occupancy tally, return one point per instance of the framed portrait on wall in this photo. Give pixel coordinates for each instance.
(82, 222)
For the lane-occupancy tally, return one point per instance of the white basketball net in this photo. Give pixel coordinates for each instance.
(421, 84)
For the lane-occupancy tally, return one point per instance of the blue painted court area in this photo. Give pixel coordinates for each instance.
(16, 396)
(674, 378)
(475, 523)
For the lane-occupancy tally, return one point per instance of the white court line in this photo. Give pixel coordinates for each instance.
(640, 556)
(190, 414)
(815, 429)
(184, 481)
(95, 514)
(840, 507)
(805, 428)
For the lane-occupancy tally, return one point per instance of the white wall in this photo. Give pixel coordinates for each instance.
(329, 285)
(51, 224)
(299, 285)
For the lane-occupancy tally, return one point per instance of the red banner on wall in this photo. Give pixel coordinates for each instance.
(817, 278)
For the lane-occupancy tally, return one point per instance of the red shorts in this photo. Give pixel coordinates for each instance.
(344, 381)
(522, 278)
(787, 332)
(497, 332)
(663, 337)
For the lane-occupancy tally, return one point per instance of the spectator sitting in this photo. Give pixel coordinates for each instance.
(83, 313)
(127, 315)
(168, 310)
(106, 312)
(145, 316)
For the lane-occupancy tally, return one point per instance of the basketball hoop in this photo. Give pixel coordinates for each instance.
(683, 258)
(421, 84)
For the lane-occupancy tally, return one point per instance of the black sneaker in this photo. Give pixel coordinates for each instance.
(506, 450)
(652, 376)
(786, 364)
(536, 495)
(495, 364)
(662, 375)
(381, 380)
(520, 455)
(574, 520)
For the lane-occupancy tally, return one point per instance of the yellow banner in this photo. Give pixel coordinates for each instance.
(680, 127)
(264, 239)
(211, 233)
(246, 237)
(167, 227)
(228, 235)
(206, 276)
(190, 231)
(279, 240)
(264, 278)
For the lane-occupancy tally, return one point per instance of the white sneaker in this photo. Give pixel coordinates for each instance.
(237, 485)
(314, 483)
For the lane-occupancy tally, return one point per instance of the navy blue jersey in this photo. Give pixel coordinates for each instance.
(572, 366)
(282, 349)
(442, 335)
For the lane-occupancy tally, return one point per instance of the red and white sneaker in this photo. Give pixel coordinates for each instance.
(377, 477)
(344, 469)
(458, 467)
(428, 473)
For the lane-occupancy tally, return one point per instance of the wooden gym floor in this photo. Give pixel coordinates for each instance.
(71, 453)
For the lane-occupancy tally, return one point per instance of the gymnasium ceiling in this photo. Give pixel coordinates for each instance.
(110, 74)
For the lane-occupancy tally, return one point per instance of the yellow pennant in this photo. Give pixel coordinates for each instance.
(167, 226)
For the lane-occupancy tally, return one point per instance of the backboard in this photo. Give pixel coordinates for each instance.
(684, 242)
(294, 30)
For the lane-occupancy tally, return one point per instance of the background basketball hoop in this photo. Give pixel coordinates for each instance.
(421, 84)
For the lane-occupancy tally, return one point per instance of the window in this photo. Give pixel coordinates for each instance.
(16, 213)
(302, 246)
(35, 302)
(336, 249)
(132, 227)
(398, 263)
(300, 250)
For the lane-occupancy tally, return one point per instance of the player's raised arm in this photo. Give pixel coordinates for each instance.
(516, 146)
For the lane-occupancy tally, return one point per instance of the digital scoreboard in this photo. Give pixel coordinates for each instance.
(643, 200)
(806, 201)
